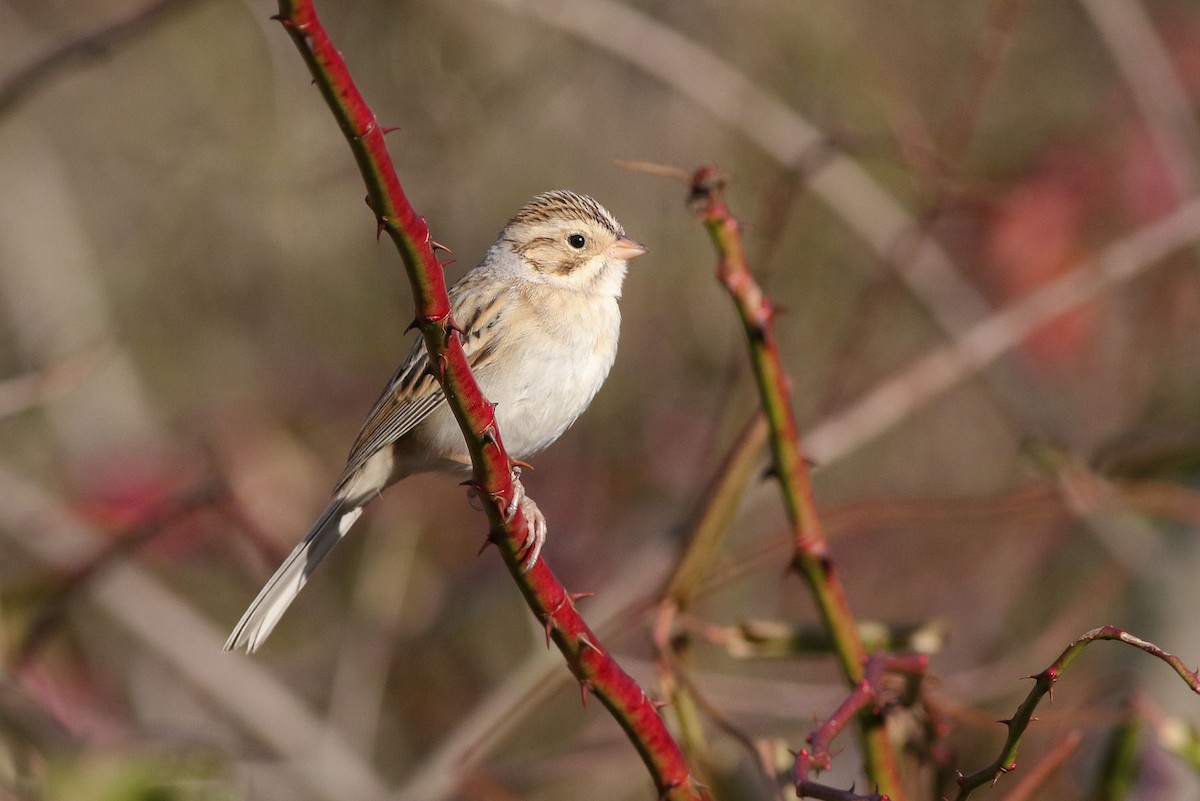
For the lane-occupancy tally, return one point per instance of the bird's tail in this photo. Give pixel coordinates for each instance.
(283, 587)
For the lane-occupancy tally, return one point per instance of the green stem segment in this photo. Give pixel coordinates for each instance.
(588, 660)
(811, 553)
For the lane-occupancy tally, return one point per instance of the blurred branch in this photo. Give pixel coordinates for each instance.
(51, 613)
(841, 182)
(91, 46)
(995, 41)
(591, 663)
(507, 705)
(811, 557)
(1044, 685)
(702, 534)
(1119, 763)
(358, 692)
(23, 392)
(22, 716)
(776, 639)
(1154, 85)
(947, 365)
(168, 626)
(710, 518)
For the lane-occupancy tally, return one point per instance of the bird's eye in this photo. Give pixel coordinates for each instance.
(576, 241)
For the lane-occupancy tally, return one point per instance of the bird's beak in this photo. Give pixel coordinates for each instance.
(626, 249)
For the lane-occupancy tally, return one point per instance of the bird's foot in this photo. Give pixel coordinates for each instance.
(535, 523)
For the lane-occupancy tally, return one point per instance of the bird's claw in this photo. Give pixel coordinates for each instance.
(535, 523)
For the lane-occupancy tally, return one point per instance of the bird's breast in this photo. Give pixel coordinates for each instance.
(552, 370)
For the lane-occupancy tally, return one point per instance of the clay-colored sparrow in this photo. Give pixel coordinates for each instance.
(541, 320)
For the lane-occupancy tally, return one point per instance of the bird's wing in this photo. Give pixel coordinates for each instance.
(413, 393)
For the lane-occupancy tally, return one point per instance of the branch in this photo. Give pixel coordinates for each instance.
(1044, 685)
(1155, 86)
(866, 696)
(811, 554)
(590, 662)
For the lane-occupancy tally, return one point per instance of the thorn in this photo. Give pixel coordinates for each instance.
(1005, 722)
(769, 473)
(549, 626)
(451, 325)
(486, 542)
(471, 484)
(380, 227)
(579, 596)
(488, 436)
(659, 704)
(516, 462)
(584, 687)
(433, 243)
(587, 643)
(387, 129)
(414, 324)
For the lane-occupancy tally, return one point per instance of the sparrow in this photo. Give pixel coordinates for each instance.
(540, 322)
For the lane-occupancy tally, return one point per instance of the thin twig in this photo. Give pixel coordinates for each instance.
(1044, 685)
(866, 695)
(811, 557)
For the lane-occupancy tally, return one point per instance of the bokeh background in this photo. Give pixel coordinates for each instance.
(196, 315)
